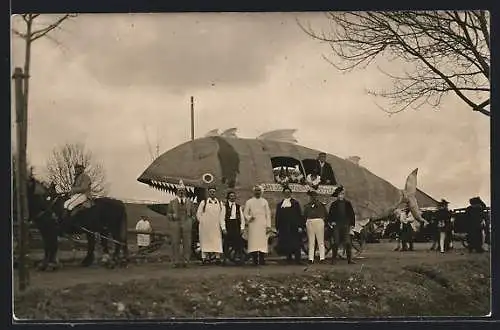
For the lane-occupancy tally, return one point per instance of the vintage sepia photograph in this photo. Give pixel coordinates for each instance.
(229, 165)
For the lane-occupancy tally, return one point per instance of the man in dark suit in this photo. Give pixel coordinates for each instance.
(288, 222)
(180, 215)
(325, 170)
(342, 218)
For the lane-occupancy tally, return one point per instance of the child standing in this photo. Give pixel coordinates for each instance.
(143, 225)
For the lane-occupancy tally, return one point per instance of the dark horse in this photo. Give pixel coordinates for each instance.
(106, 217)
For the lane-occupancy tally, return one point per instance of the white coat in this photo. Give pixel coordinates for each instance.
(258, 216)
(143, 239)
(210, 231)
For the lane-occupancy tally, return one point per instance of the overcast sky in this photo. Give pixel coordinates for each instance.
(109, 76)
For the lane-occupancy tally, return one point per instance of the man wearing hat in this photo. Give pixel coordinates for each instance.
(315, 215)
(342, 218)
(210, 216)
(180, 215)
(258, 216)
(476, 223)
(443, 224)
(80, 191)
(324, 170)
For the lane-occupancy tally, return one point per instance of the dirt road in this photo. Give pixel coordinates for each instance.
(375, 255)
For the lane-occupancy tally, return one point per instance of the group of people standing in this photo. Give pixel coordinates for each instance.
(223, 224)
(291, 220)
(441, 224)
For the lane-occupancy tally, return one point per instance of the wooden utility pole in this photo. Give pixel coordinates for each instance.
(192, 118)
(21, 178)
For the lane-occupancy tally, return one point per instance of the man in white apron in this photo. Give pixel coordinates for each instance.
(258, 217)
(210, 216)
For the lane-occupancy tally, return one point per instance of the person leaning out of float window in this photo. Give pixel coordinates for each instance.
(315, 216)
(313, 179)
(296, 176)
(325, 170)
(283, 177)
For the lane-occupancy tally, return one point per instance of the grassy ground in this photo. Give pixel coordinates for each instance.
(458, 287)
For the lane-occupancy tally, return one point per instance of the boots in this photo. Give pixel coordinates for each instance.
(349, 255)
(262, 259)
(255, 258)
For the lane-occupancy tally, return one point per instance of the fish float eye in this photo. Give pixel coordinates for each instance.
(207, 178)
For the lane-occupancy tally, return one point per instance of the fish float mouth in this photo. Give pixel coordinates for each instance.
(193, 191)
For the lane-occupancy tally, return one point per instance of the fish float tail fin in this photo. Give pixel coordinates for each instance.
(410, 198)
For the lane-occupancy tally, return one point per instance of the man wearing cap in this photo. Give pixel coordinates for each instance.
(315, 215)
(258, 216)
(180, 215)
(233, 225)
(210, 215)
(324, 170)
(80, 191)
(443, 223)
(342, 218)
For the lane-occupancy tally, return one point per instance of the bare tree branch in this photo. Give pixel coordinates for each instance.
(42, 32)
(19, 34)
(60, 168)
(441, 52)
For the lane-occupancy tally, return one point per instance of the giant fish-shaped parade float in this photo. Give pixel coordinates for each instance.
(230, 162)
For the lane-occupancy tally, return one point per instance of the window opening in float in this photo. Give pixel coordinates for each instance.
(287, 170)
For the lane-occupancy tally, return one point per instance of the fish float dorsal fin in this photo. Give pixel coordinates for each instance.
(283, 135)
(214, 132)
(230, 133)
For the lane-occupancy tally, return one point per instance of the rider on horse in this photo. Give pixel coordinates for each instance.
(80, 193)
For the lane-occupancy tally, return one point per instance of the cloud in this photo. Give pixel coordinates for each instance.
(117, 75)
(178, 52)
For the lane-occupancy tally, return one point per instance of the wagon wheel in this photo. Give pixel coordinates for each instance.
(154, 246)
(196, 250)
(358, 245)
(465, 242)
